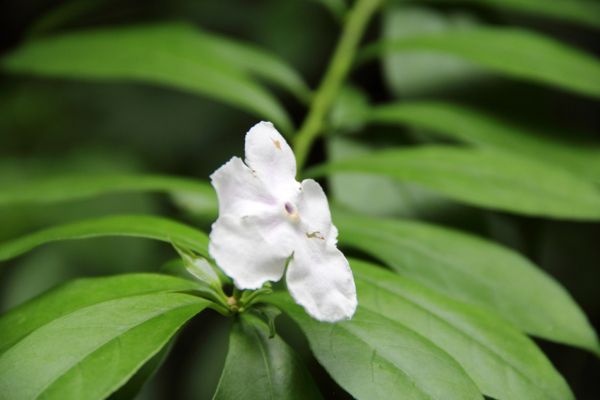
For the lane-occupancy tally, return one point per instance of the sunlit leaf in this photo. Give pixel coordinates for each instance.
(135, 384)
(484, 178)
(373, 357)
(141, 226)
(486, 130)
(514, 52)
(503, 362)
(77, 294)
(260, 367)
(92, 351)
(174, 55)
(473, 270)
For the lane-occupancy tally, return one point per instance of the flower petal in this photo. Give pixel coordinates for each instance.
(269, 155)
(320, 280)
(239, 190)
(251, 250)
(314, 211)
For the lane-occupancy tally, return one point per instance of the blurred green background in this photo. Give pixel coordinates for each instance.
(53, 126)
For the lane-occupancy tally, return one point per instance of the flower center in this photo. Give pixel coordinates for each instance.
(291, 211)
(289, 208)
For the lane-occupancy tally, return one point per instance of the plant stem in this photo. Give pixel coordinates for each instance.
(335, 75)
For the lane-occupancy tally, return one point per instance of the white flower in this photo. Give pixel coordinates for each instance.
(266, 216)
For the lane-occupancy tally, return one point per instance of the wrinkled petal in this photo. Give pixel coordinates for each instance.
(314, 212)
(239, 190)
(269, 155)
(251, 250)
(320, 280)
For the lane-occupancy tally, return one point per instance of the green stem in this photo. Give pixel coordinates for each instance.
(335, 75)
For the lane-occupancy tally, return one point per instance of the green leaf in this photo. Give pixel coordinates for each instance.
(484, 178)
(355, 191)
(486, 130)
(142, 226)
(373, 357)
(133, 387)
(255, 61)
(474, 270)
(583, 12)
(174, 55)
(414, 74)
(503, 362)
(259, 367)
(80, 293)
(517, 53)
(349, 111)
(96, 346)
(74, 187)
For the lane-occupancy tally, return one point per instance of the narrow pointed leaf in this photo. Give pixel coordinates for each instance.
(483, 178)
(259, 367)
(78, 294)
(175, 55)
(512, 52)
(92, 351)
(417, 74)
(373, 357)
(141, 226)
(503, 362)
(486, 130)
(471, 269)
(256, 61)
(74, 187)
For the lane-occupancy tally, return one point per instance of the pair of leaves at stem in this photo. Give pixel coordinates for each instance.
(384, 335)
(175, 55)
(87, 338)
(404, 339)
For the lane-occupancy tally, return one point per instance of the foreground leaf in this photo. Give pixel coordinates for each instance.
(93, 349)
(504, 363)
(513, 52)
(483, 178)
(135, 384)
(141, 226)
(175, 55)
(78, 294)
(474, 270)
(373, 357)
(260, 367)
(75, 187)
(583, 12)
(485, 130)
